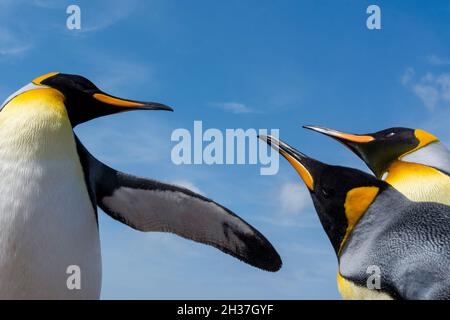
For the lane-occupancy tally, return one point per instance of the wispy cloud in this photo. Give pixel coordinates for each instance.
(117, 74)
(12, 43)
(429, 94)
(437, 123)
(293, 199)
(293, 206)
(234, 107)
(95, 16)
(107, 14)
(407, 76)
(438, 61)
(432, 89)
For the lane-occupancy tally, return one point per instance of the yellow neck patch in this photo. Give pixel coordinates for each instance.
(352, 291)
(43, 99)
(35, 125)
(50, 97)
(357, 202)
(419, 183)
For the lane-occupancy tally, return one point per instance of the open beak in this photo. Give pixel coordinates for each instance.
(129, 104)
(342, 137)
(304, 165)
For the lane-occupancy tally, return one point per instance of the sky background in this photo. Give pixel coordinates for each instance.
(235, 64)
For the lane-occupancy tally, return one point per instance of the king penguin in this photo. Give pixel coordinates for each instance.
(50, 187)
(387, 246)
(414, 162)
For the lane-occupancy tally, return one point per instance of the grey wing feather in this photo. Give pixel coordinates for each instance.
(149, 205)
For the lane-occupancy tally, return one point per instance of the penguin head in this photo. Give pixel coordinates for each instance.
(378, 150)
(340, 195)
(82, 99)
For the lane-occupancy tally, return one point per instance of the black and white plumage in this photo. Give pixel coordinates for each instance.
(50, 187)
(377, 232)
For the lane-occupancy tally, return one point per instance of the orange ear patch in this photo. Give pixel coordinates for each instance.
(424, 137)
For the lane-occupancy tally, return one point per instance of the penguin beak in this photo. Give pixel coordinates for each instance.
(345, 138)
(304, 165)
(128, 105)
(84, 101)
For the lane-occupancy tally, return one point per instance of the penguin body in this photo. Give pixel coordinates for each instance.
(47, 219)
(409, 243)
(414, 162)
(375, 228)
(50, 187)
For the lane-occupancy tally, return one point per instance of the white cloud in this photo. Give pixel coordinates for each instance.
(234, 107)
(116, 75)
(95, 16)
(120, 76)
(437, 124)
(428, 94)
(12, 44)
(444, 82)
(291, 206)
(431, 89)
(293, 198)
(407, 76)
(438, 61)
(107, 13)
(188, 185)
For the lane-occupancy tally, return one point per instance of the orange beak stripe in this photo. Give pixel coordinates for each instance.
(116, 101)
(304, 173)
(353, 137)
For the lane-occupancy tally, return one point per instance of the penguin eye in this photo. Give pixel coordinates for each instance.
(390, 135)
(327, 193)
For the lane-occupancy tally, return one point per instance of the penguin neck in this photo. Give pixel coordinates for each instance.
(356, 204)
(35, 124)
(434, 155)
(376, 219)
(419, 182)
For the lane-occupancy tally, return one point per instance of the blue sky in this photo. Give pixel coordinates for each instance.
(235, 64)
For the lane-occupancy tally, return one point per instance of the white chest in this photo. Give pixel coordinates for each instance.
(47, 221)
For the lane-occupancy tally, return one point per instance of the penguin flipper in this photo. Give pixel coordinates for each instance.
(150, 205)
